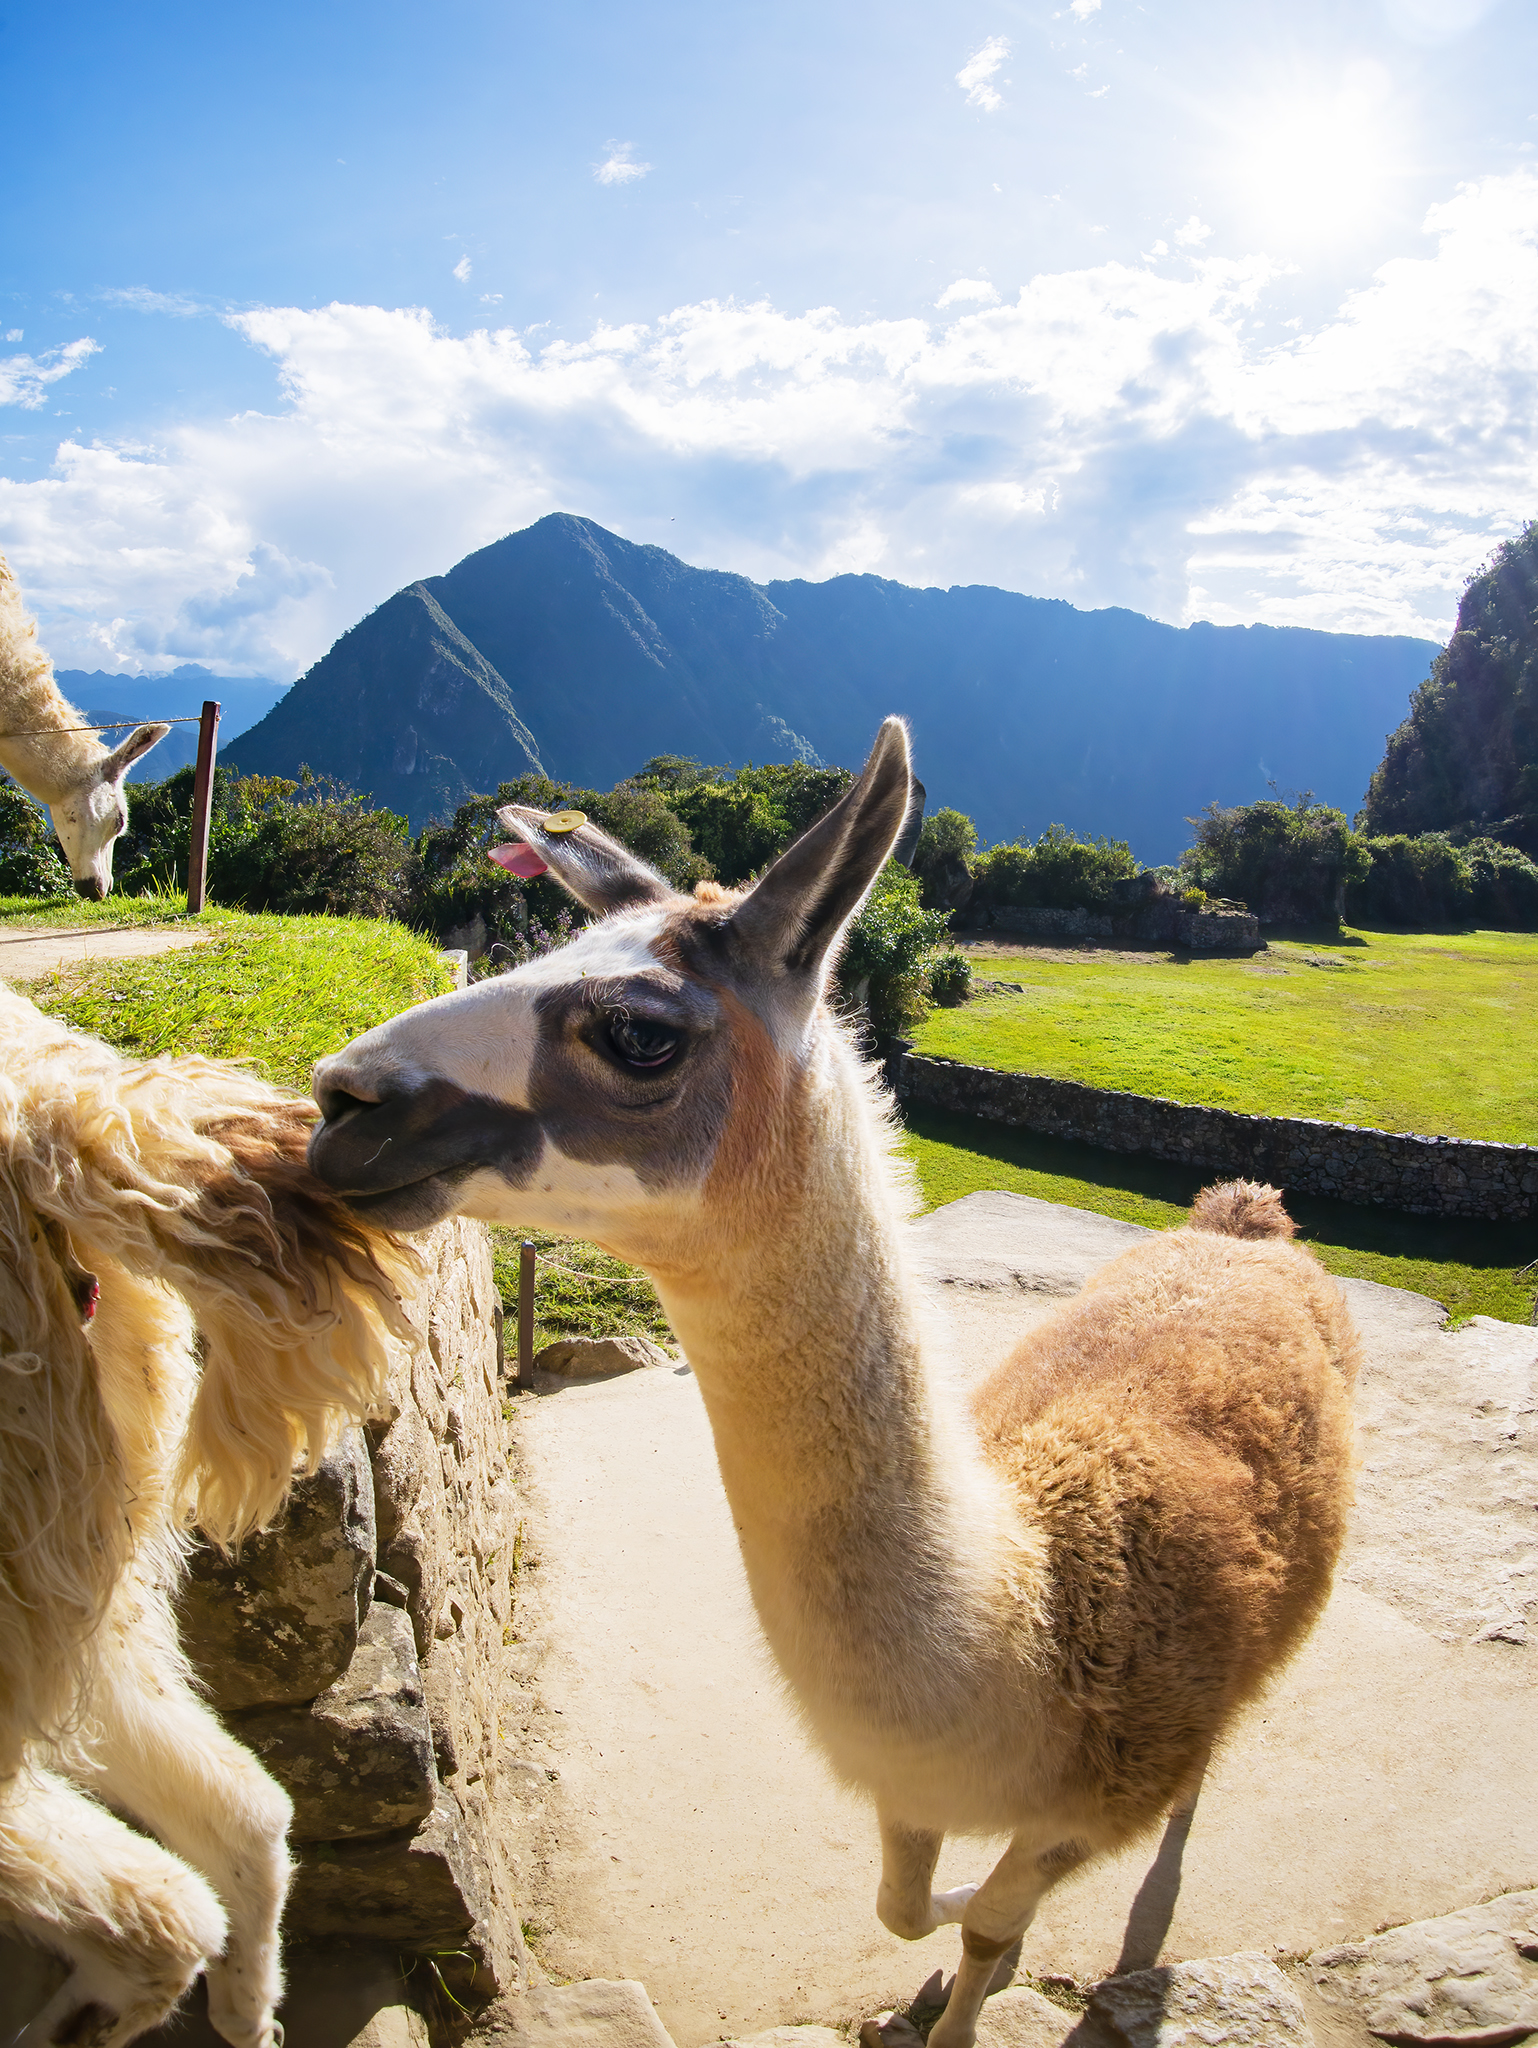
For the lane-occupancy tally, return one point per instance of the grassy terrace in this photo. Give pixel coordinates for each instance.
(278, 992)
(274, 992)
(1418, 1032)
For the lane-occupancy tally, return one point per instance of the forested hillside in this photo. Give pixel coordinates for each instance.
(1465, 761)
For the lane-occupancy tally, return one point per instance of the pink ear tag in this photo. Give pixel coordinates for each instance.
(519, 860)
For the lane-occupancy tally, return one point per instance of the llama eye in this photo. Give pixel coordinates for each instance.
(640, 1043)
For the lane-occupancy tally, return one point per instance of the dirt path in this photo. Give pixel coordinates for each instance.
(28, 952)
(697, 1843)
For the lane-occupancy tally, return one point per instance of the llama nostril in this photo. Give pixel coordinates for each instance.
(337, 1102)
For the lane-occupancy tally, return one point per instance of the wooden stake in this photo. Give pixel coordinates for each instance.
(202, 798)
(526, 1316)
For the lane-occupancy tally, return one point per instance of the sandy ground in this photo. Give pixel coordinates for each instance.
(28, 952)
(696, 1842)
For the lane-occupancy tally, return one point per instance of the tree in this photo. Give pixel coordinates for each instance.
(1289, 861)
(29, 864)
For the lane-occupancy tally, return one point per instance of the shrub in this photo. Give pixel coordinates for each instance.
(1428, 881)
(738, 823)
(1060, 871)
(29, 863)
(1289, 861)
(1505, 885)
(945, 835)
(885, 958)
(950, 978)
(1193, 899)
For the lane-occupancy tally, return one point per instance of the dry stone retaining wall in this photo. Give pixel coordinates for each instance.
(357, 1648)
(1424, 1176)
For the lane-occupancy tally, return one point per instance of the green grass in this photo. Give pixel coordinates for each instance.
(274, 992)
(568, 1300)
(1426, 1032)
(1468, 1265)
(58, 912)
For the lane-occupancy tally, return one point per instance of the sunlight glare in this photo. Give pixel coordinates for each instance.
(1312, 166)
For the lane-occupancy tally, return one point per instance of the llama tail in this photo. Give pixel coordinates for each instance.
(1242, 1208)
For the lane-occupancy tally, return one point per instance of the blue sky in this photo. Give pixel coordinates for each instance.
(1214, 312)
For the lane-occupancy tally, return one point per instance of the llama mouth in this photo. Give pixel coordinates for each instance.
(407, 1153)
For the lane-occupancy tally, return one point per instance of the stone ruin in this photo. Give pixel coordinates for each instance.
(357, 1649)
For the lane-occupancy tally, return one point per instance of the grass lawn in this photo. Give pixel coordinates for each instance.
(61, 911)
(1468, 1265)
(274, 992)
(1428, 1032)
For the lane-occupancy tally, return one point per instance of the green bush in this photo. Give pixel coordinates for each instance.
(945, 835)
(886, 955)
(1291, 862)
(1428, 881)
(29, 862)
(738, 823)
(1060, 871)
(950, 978)
(1505, 885)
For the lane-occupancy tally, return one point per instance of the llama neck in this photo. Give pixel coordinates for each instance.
(869, 1527)
(54, 757)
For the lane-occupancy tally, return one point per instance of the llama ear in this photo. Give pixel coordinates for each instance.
(126, 752)
(794, 917)
(597, 870)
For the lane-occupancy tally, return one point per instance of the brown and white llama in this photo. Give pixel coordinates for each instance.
(1032, 1617)
(183, 1311)
(43, 747)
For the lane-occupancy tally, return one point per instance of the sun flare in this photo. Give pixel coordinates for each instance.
(1313, 165)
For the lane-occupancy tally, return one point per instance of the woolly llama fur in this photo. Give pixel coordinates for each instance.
(243, 1316)
(44, 743)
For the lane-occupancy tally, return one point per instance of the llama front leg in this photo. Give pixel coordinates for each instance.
(998, 1914)
(135, 1923)
(905, 1903)
(166, 1759)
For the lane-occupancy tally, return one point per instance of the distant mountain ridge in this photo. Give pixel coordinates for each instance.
(179, 692)
(568, 648)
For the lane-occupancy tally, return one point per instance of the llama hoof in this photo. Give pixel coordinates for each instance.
(949, 1907)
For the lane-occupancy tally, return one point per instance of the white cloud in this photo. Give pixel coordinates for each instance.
(24, 380)
(620, 166)
(965, 289)
(1112, 435)
(142, 300)
(1081, 10)
(1193, 234)
(981, 68)
(462, 269)
(15, 334)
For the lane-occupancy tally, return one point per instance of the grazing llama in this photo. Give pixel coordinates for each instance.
(183, 1311)
(43, 748)
(1035, 1618)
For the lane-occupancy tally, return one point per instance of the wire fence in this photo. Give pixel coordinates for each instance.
(46, 732)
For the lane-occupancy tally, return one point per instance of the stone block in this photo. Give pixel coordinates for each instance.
(400, 1450)
(421, 1891)
(790, 2037)
(1240, 2001)
(1470, 1977)
(279, 1621)
(591, 1358)
(595, 2014)
(358, 1760)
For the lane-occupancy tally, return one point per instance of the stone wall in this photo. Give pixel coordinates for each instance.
(1160, 921)
(357, 1647)
(1424, 1176)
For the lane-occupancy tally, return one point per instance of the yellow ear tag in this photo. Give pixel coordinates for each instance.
(559, 823)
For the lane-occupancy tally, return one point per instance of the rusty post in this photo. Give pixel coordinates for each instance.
(526, 1316)
(202, 798)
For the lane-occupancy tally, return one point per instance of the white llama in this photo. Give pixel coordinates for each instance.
(43, 748)
(1032, 1618)
(183, 1309)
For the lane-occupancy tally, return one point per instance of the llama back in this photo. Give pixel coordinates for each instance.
(1180, 1435)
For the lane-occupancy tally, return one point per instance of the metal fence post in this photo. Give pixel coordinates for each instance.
(202, 798)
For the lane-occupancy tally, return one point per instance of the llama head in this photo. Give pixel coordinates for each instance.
(624, 1085)
(90, 812)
